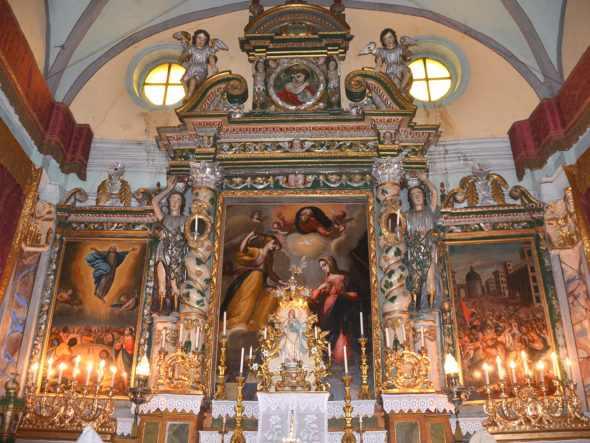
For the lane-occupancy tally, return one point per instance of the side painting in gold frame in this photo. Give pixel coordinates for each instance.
(499, 309)
(95, 311)
(334, 231)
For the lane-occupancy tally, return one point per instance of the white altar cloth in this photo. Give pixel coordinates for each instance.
(310, 416)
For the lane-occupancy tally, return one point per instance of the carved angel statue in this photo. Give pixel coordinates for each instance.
(199, 52)
(114, 191)
(395, 56)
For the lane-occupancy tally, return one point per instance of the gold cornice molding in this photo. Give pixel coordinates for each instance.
(31, 192)
(13, 157)
(576, 174)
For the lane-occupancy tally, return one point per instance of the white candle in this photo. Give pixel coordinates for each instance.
(568, 365)
(526, 366)
(88, 373)
(422, 334)
(197, 339)
(49, 365)
(387, 344)
(265, 332)
(389, 223)
(554, 361)
(329, 349)
(485, 370)
(315, 332)
(61, 371)
(242, 362)
(283, 356)
(100, 371)
(499, 362)
(164, 338)
(180, 333)
(345, 361)
(35, 368)
(404, 332)
(114, 371)
(540, 367)
(360, 424)
(224, 323)
(76, 367)
(362, 329)
(512, 366)
(250, 354)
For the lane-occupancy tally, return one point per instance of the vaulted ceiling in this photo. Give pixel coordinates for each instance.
(84, 35)
(519, 51)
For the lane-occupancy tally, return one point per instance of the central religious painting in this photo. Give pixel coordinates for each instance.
(326, 237)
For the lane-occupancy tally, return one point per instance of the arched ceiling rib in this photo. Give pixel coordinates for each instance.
(527, 33)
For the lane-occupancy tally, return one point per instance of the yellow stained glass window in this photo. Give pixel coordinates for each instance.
(162, 86)
(432, 79)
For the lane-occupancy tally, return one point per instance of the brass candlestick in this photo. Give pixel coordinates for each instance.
(220, 388)
(348, 436)
(238, 436)
(364, 394)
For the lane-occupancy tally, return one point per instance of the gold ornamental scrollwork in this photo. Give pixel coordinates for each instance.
(179, 372)
(406, 370)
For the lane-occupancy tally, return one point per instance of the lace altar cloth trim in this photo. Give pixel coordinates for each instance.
(368, 437)
(431, 401)
(215, 436)
(469, 425)
(364, 408)
(124, 425)
(333, 437)
(226, 408)
(170, 403)
(310, 416)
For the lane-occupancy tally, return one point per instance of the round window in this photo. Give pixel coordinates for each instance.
(432, 80)
(163, 86)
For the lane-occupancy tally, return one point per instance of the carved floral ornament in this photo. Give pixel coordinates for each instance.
(388, 169)
(205, 173)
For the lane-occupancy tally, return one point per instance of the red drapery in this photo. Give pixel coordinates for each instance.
(556, 123)
(49, 123)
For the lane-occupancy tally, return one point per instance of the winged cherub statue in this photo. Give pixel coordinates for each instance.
(395, 55)
(199, 52)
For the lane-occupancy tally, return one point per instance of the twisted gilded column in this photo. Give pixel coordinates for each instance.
(388, 173)
(194, 313)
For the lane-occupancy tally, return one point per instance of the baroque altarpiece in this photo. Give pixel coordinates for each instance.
(299, 276)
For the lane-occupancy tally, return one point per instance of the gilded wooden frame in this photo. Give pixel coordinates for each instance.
(366, 196)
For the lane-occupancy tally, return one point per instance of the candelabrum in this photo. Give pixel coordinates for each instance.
(179, 371)
(365, 393)
(67, 409)
(529, 408)
(220, 393)
(348, 436)
(406, 370)
(139, 394)
(238, 436)
(457, 394)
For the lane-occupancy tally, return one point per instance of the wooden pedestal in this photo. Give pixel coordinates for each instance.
(418, 428)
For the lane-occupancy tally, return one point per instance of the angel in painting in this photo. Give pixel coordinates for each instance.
(199, 52)
(395, 55)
